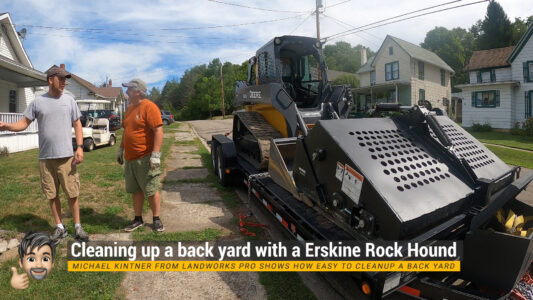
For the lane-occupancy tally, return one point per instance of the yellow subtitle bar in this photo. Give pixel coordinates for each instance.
(264, 266)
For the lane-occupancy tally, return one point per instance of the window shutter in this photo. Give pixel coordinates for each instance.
(497, 98)
(479, 79)
(526, 72)
(528, 106)
(492, 75)
(473, 99)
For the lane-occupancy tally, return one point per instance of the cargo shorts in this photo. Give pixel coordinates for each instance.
(139, 177)
(59, 172)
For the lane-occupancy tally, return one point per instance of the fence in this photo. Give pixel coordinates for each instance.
(12, 118)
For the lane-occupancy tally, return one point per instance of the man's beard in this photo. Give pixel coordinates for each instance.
(38, 276)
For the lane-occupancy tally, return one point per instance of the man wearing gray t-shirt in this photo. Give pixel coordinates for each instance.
(56, 114)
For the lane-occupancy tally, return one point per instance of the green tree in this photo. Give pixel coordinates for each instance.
(347, 79)
(519, 27)
(496, 31)
(343, 57)
(154, 95)
(447, 45)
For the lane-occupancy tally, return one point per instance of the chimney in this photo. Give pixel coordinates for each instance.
(62, 66)
(363, 56)
(110, 83)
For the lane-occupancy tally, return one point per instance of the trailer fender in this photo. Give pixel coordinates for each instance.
(224, 158)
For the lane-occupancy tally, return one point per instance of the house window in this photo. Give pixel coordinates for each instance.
(442, 77)
(391, 52)
(12, 101)
(421, 94)
(392, 71)
(488, 75)
(529, 96)
(421, 70)
(528, 71)
(391, 96)
(372, 77)
(486, 99)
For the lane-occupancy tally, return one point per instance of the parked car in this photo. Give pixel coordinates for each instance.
(167, 117)
(112, 116)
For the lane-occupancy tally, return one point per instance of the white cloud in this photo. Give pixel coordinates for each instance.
(133, 43)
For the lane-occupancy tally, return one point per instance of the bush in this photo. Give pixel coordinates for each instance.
(527, 127)
(476, 127)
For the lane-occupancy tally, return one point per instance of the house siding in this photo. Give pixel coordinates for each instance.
(399, 55)
(364, 79)
(517, 72)
(5, 47)
(78, 90)
(431, 84)
(497, 117)
(5, 87)
(502, 74)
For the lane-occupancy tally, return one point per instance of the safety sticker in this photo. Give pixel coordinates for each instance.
(352, 182)
(340, 171)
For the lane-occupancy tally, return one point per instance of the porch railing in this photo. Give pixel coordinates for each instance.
(12, 118)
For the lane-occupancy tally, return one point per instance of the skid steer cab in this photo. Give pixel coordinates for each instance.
(95, 133)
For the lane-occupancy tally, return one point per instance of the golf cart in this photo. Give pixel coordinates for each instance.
(96, 131)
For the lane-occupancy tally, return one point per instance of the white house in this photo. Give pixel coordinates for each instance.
(18, 80)
(402, 72)
(501, 85)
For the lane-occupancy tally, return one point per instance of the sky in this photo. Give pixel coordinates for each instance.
(159, 40)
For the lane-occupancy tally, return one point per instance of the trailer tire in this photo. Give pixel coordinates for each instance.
(223, 178)
(214, 145)
(88, 145)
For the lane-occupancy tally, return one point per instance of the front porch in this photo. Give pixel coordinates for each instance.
(390, 92)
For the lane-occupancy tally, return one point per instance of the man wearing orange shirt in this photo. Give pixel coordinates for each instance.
(141, 150)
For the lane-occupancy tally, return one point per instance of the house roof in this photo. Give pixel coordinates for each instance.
(489, 58)
(18, 48)
(420, 53)
(523, 41)
(367, 67)
(104, 92)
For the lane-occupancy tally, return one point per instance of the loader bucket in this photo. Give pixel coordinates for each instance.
(280, 163)
(498, 260)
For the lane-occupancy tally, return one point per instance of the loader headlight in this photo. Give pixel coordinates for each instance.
(277, 41)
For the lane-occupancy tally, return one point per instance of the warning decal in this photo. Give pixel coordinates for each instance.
(352, 182)
(340, 171)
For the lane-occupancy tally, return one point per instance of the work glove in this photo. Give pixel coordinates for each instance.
(120, 155)
(155, 160)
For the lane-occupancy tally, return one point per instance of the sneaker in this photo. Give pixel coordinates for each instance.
(158, 226)
(133, 226)
(81, 235)
(58, 235)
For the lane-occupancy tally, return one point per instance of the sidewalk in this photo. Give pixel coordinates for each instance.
(189, 204)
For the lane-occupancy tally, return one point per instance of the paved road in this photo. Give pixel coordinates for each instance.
(206, 128)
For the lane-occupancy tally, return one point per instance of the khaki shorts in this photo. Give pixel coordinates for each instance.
(59, 172)
(139, 177)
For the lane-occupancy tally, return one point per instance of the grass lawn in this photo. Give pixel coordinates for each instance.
(513, 157)
(104, 205)
(504, 139)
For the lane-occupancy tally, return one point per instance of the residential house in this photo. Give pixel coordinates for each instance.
(404, 73)
(501, 85)
(18, 81)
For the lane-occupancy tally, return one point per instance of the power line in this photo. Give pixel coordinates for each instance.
(257, 8)
(163, 29)
(359, 29)
(298, 26)
(345, 24)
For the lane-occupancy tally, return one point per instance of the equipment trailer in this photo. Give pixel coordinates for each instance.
(416, 177)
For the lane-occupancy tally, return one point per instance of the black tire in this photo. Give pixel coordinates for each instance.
(88, 145)
(214, 156)
(223, 178)
(112, 141)
(165, 122)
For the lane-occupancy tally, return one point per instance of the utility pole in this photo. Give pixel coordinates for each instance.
(222, 89)
(317, 12)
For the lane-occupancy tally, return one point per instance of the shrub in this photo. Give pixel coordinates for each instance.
(481, 127)
(527, 127)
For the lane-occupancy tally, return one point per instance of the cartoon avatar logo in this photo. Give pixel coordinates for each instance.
(36, 251)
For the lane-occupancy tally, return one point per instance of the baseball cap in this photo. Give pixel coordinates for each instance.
(136, 83)
(57, 71)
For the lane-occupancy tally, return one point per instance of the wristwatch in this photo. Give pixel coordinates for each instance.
(80, 146)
